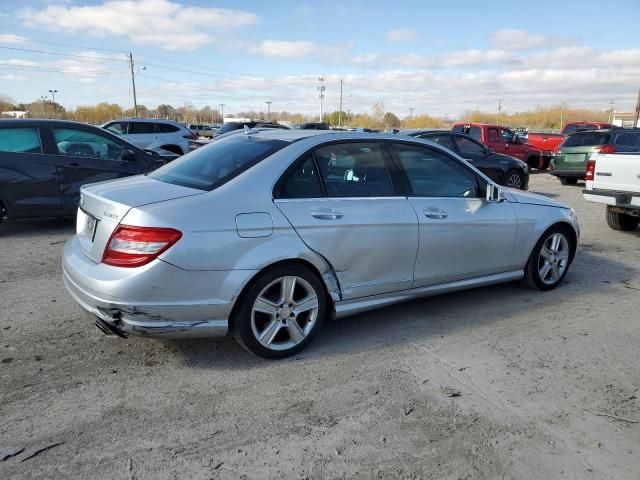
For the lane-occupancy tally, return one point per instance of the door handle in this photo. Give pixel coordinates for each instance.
(435, 213)
(326, 214)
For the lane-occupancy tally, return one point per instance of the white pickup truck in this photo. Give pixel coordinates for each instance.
(614, 179)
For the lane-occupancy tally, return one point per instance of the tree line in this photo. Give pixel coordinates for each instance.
(548, 118)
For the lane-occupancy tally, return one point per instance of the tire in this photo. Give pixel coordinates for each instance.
(533, 162)
(568, 180)
(547, 264)
(514, 179)
(266, 322)
(620, 221)
(545, 163)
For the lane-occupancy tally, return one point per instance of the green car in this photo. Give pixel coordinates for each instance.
(569, 162)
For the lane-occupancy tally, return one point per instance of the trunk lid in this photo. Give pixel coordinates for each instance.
(574, 158)
(103, 205)
(617, 171)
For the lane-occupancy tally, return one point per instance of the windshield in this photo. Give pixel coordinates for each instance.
(586, 139)
(228, 127)
(209, 167)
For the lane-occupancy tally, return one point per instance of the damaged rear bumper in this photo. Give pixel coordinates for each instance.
(158, 300)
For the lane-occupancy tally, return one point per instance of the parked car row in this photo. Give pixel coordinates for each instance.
(309, 225)
(571, 157)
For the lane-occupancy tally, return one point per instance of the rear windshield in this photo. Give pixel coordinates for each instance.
(473, 132)
(586, 139)
(628, 139)
(229, 127)
(215, 164)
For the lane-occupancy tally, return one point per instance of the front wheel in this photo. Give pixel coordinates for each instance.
(281, 312)
(621, 221)
(549, 260)
(514, 179)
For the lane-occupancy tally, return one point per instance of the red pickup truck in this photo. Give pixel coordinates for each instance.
(548, 142)
(502, 140)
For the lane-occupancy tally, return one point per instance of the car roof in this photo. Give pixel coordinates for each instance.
(148, 120)
(43, 121)
(419, 131)
(294, 135)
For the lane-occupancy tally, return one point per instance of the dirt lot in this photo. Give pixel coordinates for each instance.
(370, 398)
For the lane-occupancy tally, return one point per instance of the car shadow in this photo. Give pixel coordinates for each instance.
(36, 227)
(423, 319)
(545, 194)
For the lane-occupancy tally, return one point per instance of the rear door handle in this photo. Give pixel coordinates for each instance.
(326, 214)
(435, 213)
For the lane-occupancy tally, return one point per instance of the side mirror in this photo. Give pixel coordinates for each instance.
(495, 194)
(129, 156)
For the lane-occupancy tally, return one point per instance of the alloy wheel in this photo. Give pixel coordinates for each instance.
(554, 258)
(514, 181)
(284, 313)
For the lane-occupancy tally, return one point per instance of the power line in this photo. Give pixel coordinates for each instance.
(29, 68)
(12, 38)
(60, 54)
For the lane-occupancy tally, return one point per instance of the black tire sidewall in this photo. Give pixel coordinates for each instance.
(241, 322)
(532, 274)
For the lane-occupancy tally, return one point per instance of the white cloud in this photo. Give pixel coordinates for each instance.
(12, 77)
(163, 23)
(11, 38)
(283, 48)
(519, 39)
(299, 49)
(401, 35)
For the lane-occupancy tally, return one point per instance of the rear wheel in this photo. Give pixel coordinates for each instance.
(514, 179)
(281, 312)
(568, 180)
(549, 260)
(621, 221)
(533, 162)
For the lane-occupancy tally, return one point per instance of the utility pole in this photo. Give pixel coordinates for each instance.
(611, 111)
(44, 104)
(133, 85)
(222, 111)
(635, 123)
(498, 114)
(340, 110)
(411, 112)
(321, 89)
(269, 109)
(561, 115)
(53, 100)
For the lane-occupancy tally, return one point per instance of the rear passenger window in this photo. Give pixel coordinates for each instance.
(166, 128)
(20, 140)
(354, 170)
(443, 140)
(433, 174)
(304, 182)
(141, 127)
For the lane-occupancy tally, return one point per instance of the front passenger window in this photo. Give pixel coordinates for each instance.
(433, 174)
(81, 143)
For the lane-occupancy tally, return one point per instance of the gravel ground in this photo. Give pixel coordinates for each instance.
(498, 382)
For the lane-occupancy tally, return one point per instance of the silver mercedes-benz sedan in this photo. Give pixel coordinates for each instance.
(267, 234)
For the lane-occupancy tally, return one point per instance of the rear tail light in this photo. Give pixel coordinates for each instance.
(136, 246)
(607, 149)
(190, 136)
(557, 151)
(591, 168)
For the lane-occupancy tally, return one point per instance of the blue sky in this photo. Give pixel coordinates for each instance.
(441, 58)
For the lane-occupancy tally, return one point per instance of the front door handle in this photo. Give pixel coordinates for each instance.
(435, 213)
(326, 214)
